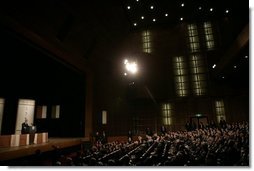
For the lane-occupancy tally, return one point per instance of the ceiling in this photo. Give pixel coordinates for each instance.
(86, 29)
(146, 13)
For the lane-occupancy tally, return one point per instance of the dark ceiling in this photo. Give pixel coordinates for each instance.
(145, 13)
(87, 29)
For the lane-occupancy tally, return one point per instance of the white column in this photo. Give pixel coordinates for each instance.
(1, 113)
(15, 140)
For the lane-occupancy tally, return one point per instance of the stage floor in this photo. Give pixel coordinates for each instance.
(22, 151)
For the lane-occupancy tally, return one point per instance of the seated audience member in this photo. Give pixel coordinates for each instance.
(129, 136)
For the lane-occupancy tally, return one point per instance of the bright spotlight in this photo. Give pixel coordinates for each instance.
(125, 61)
(131, 67)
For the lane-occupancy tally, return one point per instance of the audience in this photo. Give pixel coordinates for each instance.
(210, 145)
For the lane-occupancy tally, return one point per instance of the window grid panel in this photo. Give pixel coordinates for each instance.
(167, 114)
(193, 38)
(220, 110)
(181, 86)
(180, 71)
(209, 35)
(198, 76)
(146, 41)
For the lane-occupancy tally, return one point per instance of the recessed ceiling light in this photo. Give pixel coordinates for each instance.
(142, 17)
(135, 24)
(182, 5)
(181, 18)
(125, 74)
(200, 8)
(137, 0)
(211, 9)
(227, 11)
(166, 14)
(154, 20)
(223, 77)
(235, 66)
(214, 65)
(246, 56)
(128, 7)
(151, 7)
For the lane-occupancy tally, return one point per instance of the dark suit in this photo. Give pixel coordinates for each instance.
(25, 128)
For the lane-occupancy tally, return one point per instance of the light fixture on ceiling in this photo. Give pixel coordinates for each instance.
(154, 20)
(181, 18)
(142, 17)
(131, 67)
(135, 24)
(128, 7)
(151, 7)
(200, 8)
(227, 11)
(214, 65)
(182, 5)
(211, 9)
(166, 14)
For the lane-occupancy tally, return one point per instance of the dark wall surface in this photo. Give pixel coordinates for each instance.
(28, 72)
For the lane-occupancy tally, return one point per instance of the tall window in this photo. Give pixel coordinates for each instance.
(55, 111)
(167, 112)
(180, 72)
(1, 112)
(104, 117)
(193, 38)
(220, 110)
(198, 75)
(146, 39)
(41, 112)
(209, 35)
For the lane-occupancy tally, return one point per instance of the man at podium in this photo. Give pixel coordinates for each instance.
(31, 130)
(25, 127)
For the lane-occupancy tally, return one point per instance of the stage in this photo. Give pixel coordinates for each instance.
(10, 153)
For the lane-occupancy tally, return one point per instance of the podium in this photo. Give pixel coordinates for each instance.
(16, 140)
(32, 131)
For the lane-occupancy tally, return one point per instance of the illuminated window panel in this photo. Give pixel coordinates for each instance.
(180, 72)
(2, 100)
(198, 75)
(193, 38)
(199, 84)
(209, 35)
(220, 110)
(55, 112)
(146, 38)
(41, 112)
(181, 86)
(104, 117)
(167, 112)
